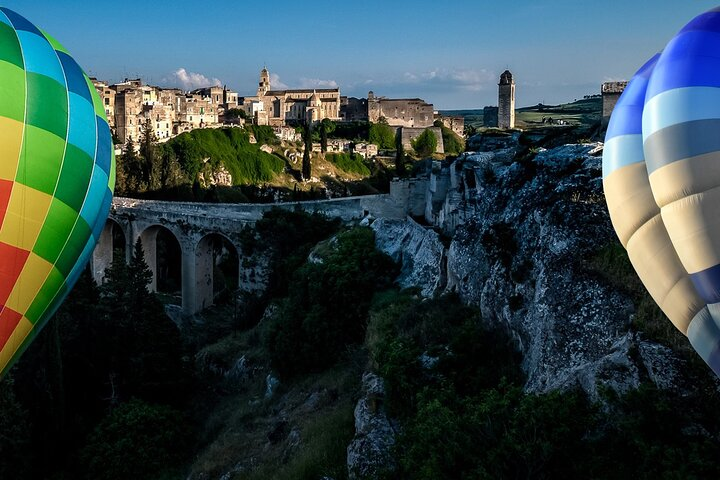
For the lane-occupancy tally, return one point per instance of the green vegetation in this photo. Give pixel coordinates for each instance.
(454, 145)
(327, 304)
(455, 384)
(585, 112)
(425, 144)
(228, 147)
(349, 163)
(182, 160)
(382, 135)
(326, 128)
(139, 441)
(109, 390)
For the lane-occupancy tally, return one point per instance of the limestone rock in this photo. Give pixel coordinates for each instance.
(271, 384)
(418, 248)
(369, 454)
(524, 232)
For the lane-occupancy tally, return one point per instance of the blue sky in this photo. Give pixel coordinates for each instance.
(450, 53)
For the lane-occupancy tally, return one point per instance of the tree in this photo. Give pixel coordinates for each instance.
(425, 144)
(149, 154)
(399, 155)
(137, 440)
(306, 166)
(327, 126)
(327, 304)
(382, 135)
(145, 348)
(130, 170)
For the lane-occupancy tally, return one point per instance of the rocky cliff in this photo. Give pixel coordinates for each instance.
(526, 231)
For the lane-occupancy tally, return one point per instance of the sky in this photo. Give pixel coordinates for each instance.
(449, 53)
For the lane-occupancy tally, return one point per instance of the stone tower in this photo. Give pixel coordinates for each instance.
(506, 100)
(264, 84)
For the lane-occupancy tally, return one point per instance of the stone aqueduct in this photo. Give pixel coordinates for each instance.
(193, 225)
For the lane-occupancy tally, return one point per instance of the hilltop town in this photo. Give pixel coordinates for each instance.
(172, 111)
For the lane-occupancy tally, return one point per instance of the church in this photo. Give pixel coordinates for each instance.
(278, 108)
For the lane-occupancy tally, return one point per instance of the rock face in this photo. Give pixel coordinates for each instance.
(418, 249)
(369, 454)
(524, 234)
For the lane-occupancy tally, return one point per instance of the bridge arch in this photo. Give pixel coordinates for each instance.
(113, 241)
(217, 268)
(163, 254)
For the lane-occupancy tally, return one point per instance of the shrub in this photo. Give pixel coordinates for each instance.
(137, 440)
(327, 304)
(425, 144)
(382, 135)
(349, 163)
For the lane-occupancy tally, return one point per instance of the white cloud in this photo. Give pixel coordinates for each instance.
(464, 79)
(191, 80)
(317, 83)
(275, 82)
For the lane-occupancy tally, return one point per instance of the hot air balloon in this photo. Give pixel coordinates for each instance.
(661, 175)
(57, 174)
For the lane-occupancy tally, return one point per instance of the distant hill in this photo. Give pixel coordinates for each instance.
(580, 112)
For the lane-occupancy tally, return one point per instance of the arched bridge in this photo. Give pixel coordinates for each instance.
(199, 228)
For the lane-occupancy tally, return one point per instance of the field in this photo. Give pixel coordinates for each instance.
(581, 112)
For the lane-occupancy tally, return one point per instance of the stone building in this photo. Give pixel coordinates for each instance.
(282, 107)
(221, 97)
(353, 109)
(128, 111)
(400, 112)
(456, 124)
(506, 100)
(490, 116)
(107, 97)
(129, 105)
(610, 92)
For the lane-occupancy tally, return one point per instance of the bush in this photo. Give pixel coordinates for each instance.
(382, 135)
(137, 440)
(425, 144)
(349, 163)
(327, 304)
(287, 238)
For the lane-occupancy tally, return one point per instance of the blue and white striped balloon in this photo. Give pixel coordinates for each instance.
(661, 175)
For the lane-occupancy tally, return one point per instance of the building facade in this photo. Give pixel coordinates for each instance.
(282, 107)
(130, 105)
(400, 112)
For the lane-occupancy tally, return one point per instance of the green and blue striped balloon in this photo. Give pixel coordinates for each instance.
(57, 173)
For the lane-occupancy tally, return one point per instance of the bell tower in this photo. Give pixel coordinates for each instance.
(264, 84)
(506, 100)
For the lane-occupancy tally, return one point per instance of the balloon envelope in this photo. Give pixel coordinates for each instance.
(661, 173)
(57, 173)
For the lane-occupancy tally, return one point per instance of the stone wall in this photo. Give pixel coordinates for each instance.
(490, 116)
